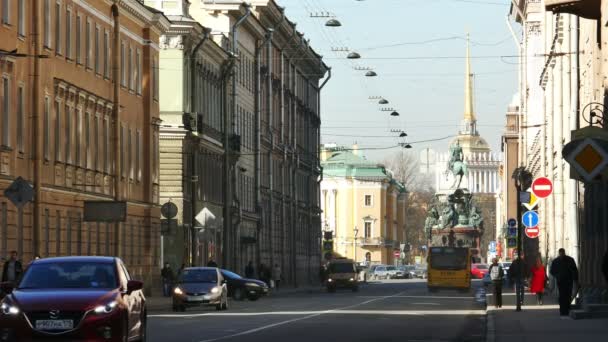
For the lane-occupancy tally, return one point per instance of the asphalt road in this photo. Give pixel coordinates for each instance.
(385, 311)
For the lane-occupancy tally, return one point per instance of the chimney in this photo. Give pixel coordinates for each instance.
(355, 149)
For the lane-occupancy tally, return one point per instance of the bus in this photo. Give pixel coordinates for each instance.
(449, 268)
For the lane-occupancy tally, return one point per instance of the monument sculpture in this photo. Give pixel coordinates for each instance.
(454, 219)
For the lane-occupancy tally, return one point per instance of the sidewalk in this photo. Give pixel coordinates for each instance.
(159, 303)
(538, 323)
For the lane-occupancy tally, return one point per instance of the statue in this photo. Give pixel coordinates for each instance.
(456, 164)
(431, 221)
(447, 216)
(475, 218)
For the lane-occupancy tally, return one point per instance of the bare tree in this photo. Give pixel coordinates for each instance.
(405, 166)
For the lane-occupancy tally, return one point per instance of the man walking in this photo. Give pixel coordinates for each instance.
(167, 276)
(564, 270)
(13, 269)
(276, 275)
(249, 270)
(497, 275)
(517, 274)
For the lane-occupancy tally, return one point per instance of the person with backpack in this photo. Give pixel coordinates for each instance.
(497, 275)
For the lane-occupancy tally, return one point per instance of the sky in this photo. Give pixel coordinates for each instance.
(417, 48)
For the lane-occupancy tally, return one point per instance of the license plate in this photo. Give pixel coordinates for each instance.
(195, 298)
(55, 324)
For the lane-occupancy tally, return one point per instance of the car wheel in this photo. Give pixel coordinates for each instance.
(143, 327)
(225, 305)
(238, 294)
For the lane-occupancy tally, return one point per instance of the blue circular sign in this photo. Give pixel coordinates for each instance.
(530, 219)
(512, 222)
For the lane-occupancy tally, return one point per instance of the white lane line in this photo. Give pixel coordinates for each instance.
(338, 312)
(269, 326)
(425, 304)
(422, 297)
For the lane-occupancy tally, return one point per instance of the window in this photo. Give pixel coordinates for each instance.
(68, 134)
(368, 230)
(155, 78)
(58, 28)
(138, 155)
(123, 74)
(87, 45)
(123, 168)
(106, 49)
(21, 18)
(368, 200)
(87, 139)
(138, 72)
(77, 141)
(106, 148)
(6, 107)
(68, 34)
(47, 129)
(20, 118)
(130, 155)
(47, 23)
(95, 146)
(78, 39)
(130, 68)
(57, 131)
(6, 12)
(97, 56)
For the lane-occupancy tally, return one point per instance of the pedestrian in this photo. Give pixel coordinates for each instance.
(539, 280)
(564, 270)
(605, 266)
(276, 275)
(13, 269)
(517, 274)
(249, 270)
(167, 277)
(497, 275)
(211, 263)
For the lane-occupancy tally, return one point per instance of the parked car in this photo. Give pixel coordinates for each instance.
(419, 272)
(369, 273)
(380, 272)
(392, 272)
(405, 271)
(200, 286)
(240, 288)
(74, 298)
(479, 270)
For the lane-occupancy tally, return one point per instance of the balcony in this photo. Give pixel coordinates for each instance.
(589, 9)
(377, 242)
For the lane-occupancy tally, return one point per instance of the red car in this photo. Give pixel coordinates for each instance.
(479, 270)
(74, 298)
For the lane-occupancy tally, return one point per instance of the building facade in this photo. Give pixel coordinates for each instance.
(81, 123)
(363, 206)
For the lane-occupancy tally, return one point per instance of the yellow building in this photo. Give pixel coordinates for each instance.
(363, 207)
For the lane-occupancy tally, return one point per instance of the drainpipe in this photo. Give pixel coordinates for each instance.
(573, 184)
(269, 109)
(258, 143)
(226, 73)
(228, 172)
(36, 141)
(116, 114)
(194, 142)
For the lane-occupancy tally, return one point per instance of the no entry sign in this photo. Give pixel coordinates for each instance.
(532, 232)
(542, 187)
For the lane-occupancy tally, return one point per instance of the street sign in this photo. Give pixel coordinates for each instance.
(530, 219)
(205, 217)
(169, 210)
(105, 211)
(542, 187)
(512, 223)
(167, 225)
(532, 202)
(397, 253)
(492, 246)
(511, 242)
(532, 232)
(524, 197)
(589, 159)
(19, 192)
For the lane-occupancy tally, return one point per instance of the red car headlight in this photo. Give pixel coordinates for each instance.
(105, 309)
(9, 309)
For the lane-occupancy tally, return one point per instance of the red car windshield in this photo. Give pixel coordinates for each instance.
(70, 275)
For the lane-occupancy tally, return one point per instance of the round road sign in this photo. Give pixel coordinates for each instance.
(512, 222)
(542, 187)
(169, 210)
(532, 232)
(530, 219)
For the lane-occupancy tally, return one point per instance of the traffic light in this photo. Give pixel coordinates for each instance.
(328, 245)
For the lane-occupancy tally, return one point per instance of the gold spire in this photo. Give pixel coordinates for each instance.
(469, 113)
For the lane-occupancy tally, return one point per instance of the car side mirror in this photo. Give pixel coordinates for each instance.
(7, 287)
(134, 285)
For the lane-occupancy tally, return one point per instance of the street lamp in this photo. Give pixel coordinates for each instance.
(333, 23)
(371, 74)
(383, 101)
(394, 114)
(356, 231)
(353, 55)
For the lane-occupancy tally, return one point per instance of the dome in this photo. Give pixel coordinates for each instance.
(471, 143)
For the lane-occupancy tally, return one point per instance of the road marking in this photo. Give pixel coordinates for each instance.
(422, 297)
(332, 312)
(425, 304)
(273, 325)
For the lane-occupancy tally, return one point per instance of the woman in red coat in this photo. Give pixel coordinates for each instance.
(539, 277)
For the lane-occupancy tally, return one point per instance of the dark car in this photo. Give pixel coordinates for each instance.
(74, 298)
(200, 286)
(240, 288)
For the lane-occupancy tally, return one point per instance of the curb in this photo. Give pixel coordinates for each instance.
(490, 326)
